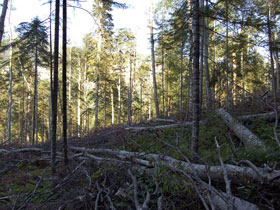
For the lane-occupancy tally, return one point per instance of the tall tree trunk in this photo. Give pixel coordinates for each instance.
(181, 76)
(112, 106)
(195, 129)
(153, 63)
(35, 104)
(55, 87)
(51, 77)
(10, 85)
(201, 53)
(272, 74)
(162, 80)
(120, 103)
(79, 98)
(141, 103)
(208, 93)
(129, 93)
(2, 19)
(70, 94)
(105, 104)
(227, 57)
(64, 82)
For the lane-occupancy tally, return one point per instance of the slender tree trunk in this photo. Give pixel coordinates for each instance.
(208, 93)
(51, 78)
(35, 105)
(70, 95)
(196, 107)
(227, 57)
(105, 103)
(201, 55)
(141, 102)
(112, 106)
(273, 75)
(153, 64)
(23, 109)
(2, 19)
(120, 103)
(10, 87)
(181, 76)
(162, 80)
(55, 87)
(129, 94)
(64, 82)
(79, 98)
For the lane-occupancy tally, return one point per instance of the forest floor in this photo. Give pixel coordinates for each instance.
(106, 182)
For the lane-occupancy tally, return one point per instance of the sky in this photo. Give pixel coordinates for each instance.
(80, 22)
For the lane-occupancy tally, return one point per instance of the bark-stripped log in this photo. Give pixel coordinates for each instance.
(236, 174)
(243, 133)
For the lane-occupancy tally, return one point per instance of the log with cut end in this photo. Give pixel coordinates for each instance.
(243, 133)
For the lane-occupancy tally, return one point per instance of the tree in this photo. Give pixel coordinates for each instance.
(64, 81)
(153, 61)
(34, 42)
(55, 87)
(2, 18)
(195, 98)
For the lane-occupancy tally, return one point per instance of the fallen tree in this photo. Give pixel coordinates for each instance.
(269, 117)
(243, 133)
(237, 174)
(207, 193)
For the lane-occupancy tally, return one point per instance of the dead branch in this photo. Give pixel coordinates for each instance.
(135, 192)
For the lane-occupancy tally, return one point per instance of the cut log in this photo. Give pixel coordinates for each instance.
(236, 174)
(243, 133)
(268, 117)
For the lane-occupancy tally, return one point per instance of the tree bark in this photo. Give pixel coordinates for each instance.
(79, 98)
(10, 92)
(55, 88)
(208, 93)
(181, 75)
(244, 134)
(201, 52)
(64, 82)
(162, 80)
(2, 19)
(153, 63)
(112, 106)
(195, 86)
(35, 104)
(120, 103)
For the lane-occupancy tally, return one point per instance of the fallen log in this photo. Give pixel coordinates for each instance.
(152, 128)
(268, 117)
(243, 133)
(236, 174)
(22, 150)
(163, 120)
(216, 197)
